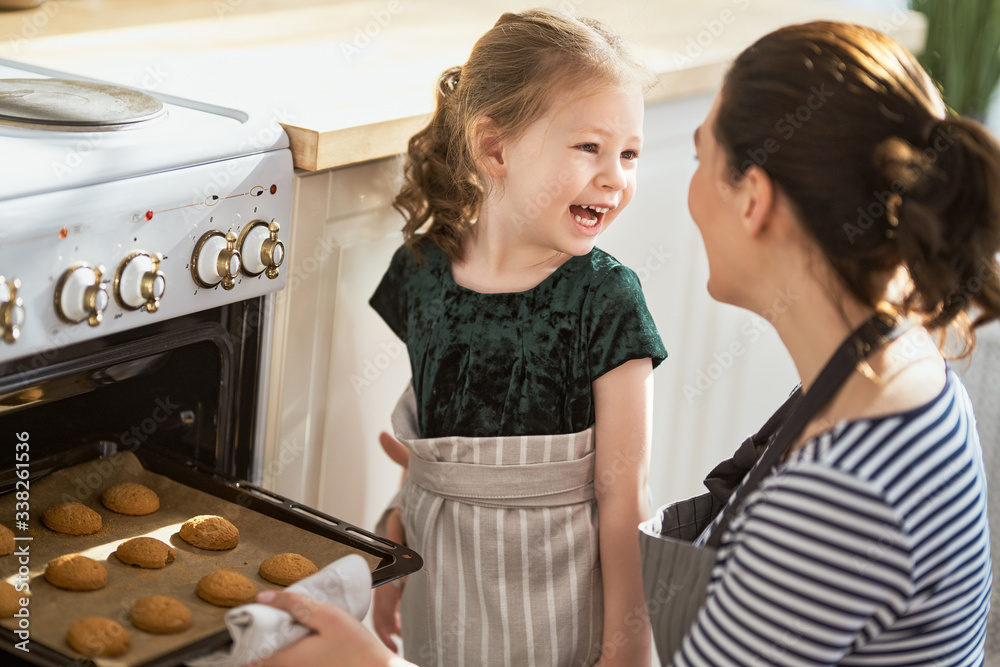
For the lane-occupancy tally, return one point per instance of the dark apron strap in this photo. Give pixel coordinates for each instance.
(876, 332)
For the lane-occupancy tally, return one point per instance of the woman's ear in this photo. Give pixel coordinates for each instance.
(489, 150)
(759, 201)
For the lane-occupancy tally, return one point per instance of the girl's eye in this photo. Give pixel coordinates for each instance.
(588, 148)
(630, 154)
(695, 156)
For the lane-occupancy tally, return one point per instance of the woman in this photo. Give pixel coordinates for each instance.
(828, 164)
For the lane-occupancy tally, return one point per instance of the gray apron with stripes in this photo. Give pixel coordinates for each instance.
(676, 573)
(507, 528)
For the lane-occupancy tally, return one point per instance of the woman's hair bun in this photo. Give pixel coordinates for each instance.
(903, 166)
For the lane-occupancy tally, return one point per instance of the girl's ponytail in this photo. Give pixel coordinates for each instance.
(439, 182)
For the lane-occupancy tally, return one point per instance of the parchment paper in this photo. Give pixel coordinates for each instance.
(53, 610)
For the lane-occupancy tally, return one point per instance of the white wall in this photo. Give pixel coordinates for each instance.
(707, 398)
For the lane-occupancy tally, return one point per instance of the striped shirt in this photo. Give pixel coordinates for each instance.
(868, 546)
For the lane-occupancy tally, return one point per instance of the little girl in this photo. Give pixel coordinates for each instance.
(528, 419)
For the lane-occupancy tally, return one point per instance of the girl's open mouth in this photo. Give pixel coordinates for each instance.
(589, 218)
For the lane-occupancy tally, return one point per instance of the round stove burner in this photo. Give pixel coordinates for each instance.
(81, 106)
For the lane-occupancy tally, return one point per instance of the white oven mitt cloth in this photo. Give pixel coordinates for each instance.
(259, 630)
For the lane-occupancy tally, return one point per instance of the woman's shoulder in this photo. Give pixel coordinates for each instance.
(901, 454)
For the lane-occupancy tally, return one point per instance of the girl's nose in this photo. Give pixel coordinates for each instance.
(612, 175)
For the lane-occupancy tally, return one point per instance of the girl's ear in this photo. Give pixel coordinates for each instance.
(489, 150)
(759, 201)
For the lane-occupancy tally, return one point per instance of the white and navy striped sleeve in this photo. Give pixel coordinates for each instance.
(820, 559)
(869, 548)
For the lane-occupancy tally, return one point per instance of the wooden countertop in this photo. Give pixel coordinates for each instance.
(352, 80)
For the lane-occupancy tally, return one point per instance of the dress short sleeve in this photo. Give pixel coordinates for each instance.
(391, 299)
(620, 327)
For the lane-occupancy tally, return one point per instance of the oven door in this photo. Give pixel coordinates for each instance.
(182, 396)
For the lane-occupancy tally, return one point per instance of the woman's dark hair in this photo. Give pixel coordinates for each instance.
(850, 127)
(509, 80)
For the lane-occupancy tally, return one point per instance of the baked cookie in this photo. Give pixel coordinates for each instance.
(147, 552)
(6, 540)
(72, 519)
(285, 569)
(160, 614)
(211, 532)
(76, 573)
(226, 589)
(130, 498)
(98, 636)
(10, 599)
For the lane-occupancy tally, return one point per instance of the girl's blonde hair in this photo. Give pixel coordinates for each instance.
(510, 79)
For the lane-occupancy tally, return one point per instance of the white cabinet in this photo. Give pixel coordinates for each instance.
(337, 369)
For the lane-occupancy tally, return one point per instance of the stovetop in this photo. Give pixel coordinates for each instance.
(166, 207)
(75, 106)
(179, 133)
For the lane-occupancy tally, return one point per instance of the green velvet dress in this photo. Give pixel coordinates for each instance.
(520, 363)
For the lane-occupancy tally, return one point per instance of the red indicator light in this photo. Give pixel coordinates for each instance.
(63, 233)
(274, 188)
(149, 215)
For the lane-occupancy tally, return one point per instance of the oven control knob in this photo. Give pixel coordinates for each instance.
(260, 249)
(11, 309)
(216, 260)
(139, 283)
(81, 295)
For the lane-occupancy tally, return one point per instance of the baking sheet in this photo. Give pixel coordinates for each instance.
(53, 610)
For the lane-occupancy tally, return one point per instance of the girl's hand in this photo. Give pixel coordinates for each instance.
(338, 637)
(395, 450)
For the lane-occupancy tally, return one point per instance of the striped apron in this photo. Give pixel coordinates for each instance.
(507, 528)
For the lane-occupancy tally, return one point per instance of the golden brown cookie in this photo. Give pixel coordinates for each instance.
(285, 569)
(6, 540)
(10, 599)
(98, 636)
(160, 614)
(226, 589)
(147, 552)
(130, 498)
(76, 573)
(72, 519)
(210, 532)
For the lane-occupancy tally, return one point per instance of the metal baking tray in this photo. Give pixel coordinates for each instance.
(393, 560)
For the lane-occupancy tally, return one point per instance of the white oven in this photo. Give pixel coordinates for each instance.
(141, 239)
(120, 208)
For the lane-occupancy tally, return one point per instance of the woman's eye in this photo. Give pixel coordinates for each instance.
(630, 154)
(695, 156)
